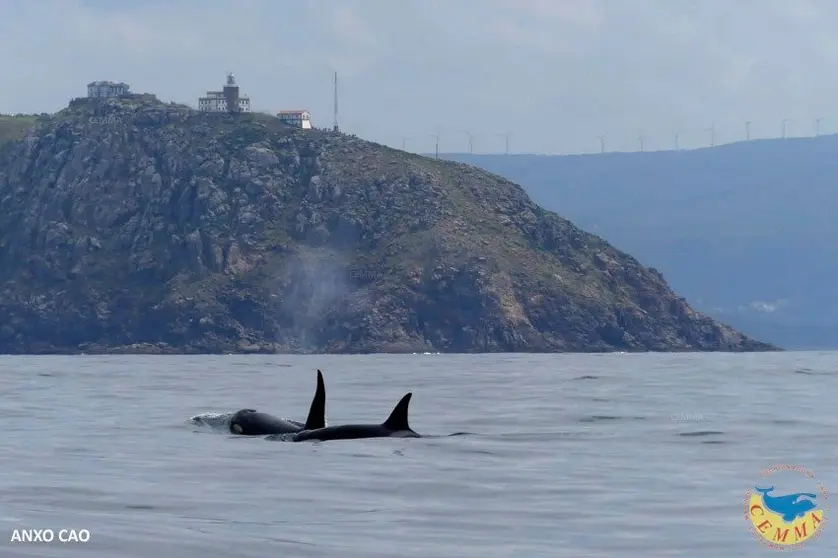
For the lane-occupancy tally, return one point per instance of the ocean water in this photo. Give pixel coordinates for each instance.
(621, 455)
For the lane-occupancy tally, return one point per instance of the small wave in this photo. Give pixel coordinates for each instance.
(810, 372)
(786, 421)
(455, 434)
(213, 422)
(598, 418)
(586, 377)
(280, 437)
(702, 433)
(527, 437)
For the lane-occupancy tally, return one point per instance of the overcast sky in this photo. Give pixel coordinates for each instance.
(554, 74)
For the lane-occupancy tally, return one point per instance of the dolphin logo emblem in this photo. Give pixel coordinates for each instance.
(790, 506)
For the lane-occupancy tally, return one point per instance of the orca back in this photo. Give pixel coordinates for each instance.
(396, 426)
(248, 422)
(343, 432)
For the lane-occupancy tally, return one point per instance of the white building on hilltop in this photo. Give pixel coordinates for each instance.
(106, 89)
(220, 101)
(297, 118)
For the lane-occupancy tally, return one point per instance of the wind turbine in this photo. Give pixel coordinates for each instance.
(436, 136)
(506, 139)
(602, 143)
(470, 142)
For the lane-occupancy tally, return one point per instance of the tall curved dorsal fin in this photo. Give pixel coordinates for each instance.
(398, 418)
(317, 412)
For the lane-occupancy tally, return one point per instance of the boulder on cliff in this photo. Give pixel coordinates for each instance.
(131, 225)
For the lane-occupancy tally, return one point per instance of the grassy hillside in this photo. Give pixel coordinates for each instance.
(15, 127)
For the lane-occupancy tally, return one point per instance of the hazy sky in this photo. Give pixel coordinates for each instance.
(554, 74)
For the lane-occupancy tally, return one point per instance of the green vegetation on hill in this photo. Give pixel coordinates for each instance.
(15, 127)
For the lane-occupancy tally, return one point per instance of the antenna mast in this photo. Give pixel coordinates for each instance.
(335, 127)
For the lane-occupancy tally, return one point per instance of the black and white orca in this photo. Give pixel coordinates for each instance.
(396, 426)
(250, 422)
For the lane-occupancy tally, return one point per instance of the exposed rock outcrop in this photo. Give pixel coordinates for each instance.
(133, 225)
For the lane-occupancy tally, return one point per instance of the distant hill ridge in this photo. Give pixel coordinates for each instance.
(745, 231)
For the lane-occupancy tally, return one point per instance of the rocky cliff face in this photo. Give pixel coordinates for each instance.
(133, 225)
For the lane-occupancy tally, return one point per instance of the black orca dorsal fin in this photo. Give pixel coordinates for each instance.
(317, 412)
(397, 420)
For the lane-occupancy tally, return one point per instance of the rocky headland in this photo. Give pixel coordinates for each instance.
(132, 225)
